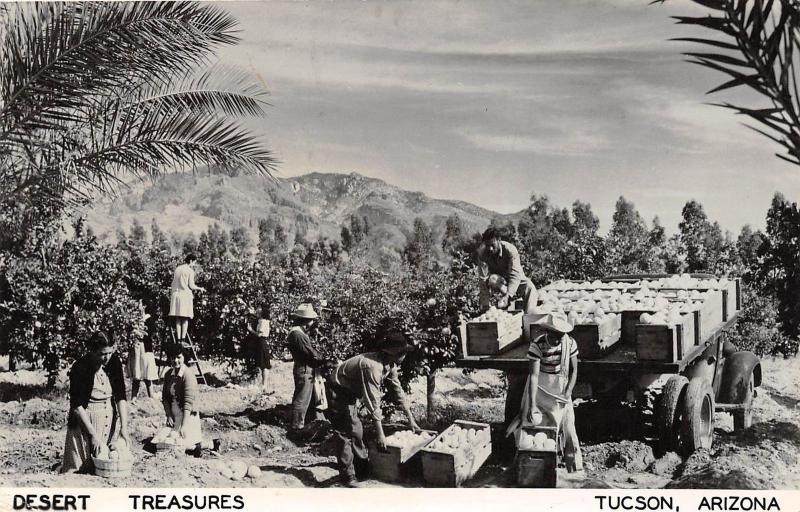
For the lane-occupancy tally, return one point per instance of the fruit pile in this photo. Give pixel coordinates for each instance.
(408, 439)
(495, 315)
(117, 450)
(595, 302)
(455, 438)
(238, 470)
(168, 436)
(538, 441)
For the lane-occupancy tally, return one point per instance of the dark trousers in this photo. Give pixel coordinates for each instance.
(516, 388)
(348, 432)
(303, 394)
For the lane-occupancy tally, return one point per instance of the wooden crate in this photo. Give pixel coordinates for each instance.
(600, 348)
(537, 468)
(667, 343)
(395, 463)
(731, 300)
(445, 469)
(529, 328)
(486, 338)
(710, 314)
(629, 321)
(590, 336)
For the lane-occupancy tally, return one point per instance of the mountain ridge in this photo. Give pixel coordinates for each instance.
(312, 205)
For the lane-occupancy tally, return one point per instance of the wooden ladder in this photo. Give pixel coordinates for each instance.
(200, 374)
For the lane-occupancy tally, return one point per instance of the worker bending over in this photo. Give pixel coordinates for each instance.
(360, 378)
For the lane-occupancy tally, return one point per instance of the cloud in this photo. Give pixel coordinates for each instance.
(564, 144)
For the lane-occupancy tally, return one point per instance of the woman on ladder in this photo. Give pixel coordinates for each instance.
(181, 303)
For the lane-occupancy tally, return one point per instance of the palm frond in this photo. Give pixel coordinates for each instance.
(93, 93)
(231, 91)
(64, 51)
(756, 46)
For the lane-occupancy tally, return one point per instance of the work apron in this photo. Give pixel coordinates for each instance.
(550, 397)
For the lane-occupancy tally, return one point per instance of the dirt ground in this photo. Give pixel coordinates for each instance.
(251, 426)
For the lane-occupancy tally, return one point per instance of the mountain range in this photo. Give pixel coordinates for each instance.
(315, 204)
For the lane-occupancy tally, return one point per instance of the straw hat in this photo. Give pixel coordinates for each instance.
(305, 311)
(555, 322)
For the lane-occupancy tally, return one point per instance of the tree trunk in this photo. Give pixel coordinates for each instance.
(430, 380)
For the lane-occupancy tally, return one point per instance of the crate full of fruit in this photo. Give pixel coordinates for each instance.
(395, 462)
(456, 454)
(537, 456)
(492, 331)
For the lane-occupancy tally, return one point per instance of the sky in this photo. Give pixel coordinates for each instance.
(493, 101)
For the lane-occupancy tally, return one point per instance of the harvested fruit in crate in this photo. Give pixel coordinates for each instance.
(495, 315)
(538, 441)
(408, 439)
(455, 439)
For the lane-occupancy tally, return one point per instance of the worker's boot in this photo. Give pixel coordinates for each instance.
(350, 481)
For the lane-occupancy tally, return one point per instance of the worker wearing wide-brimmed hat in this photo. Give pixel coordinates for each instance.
(306, 358)
(360, 378)
(552, 371)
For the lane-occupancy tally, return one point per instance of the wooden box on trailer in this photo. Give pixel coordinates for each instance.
(487, 338)
(668, 343)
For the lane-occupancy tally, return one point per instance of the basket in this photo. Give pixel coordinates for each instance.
(112, 468)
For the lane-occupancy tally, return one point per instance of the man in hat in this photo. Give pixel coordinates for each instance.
(552, 371)
(306, 359)
(500, 258)
(360, 378)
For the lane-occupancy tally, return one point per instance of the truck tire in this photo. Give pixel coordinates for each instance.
(697, 421)
(668, 411)
(743, 418)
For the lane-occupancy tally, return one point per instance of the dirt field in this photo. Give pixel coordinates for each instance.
(252, 428)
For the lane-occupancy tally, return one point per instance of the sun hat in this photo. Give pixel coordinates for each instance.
(554, 322)
(305, 310)
(395, 343)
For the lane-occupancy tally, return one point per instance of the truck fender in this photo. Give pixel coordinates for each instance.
(736, 376)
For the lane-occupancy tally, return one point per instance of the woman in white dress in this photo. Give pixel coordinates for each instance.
(181, 303)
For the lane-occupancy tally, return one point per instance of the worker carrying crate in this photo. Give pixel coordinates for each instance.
(552, 372)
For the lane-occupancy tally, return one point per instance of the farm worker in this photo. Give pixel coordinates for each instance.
(142, 362)
(98, 407)
(500, 258)
(181, 302)
(179, 397)
(552, 371)
(360, 378)
(306, 359)
(262, 353)
(502, 278)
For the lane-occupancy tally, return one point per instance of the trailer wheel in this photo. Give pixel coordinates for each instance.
(697, 422)
(668, 413)
(743, 418)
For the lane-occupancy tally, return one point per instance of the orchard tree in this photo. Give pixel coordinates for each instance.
(454, 236)
(748, 246)
(780, 269)
(420, 249)
(628, 241)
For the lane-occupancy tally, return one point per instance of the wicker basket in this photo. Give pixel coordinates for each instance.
(112, 468)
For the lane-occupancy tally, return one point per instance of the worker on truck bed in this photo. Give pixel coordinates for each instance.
(552, 371)
(360, 378)
(500, 258)
(502, 279)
